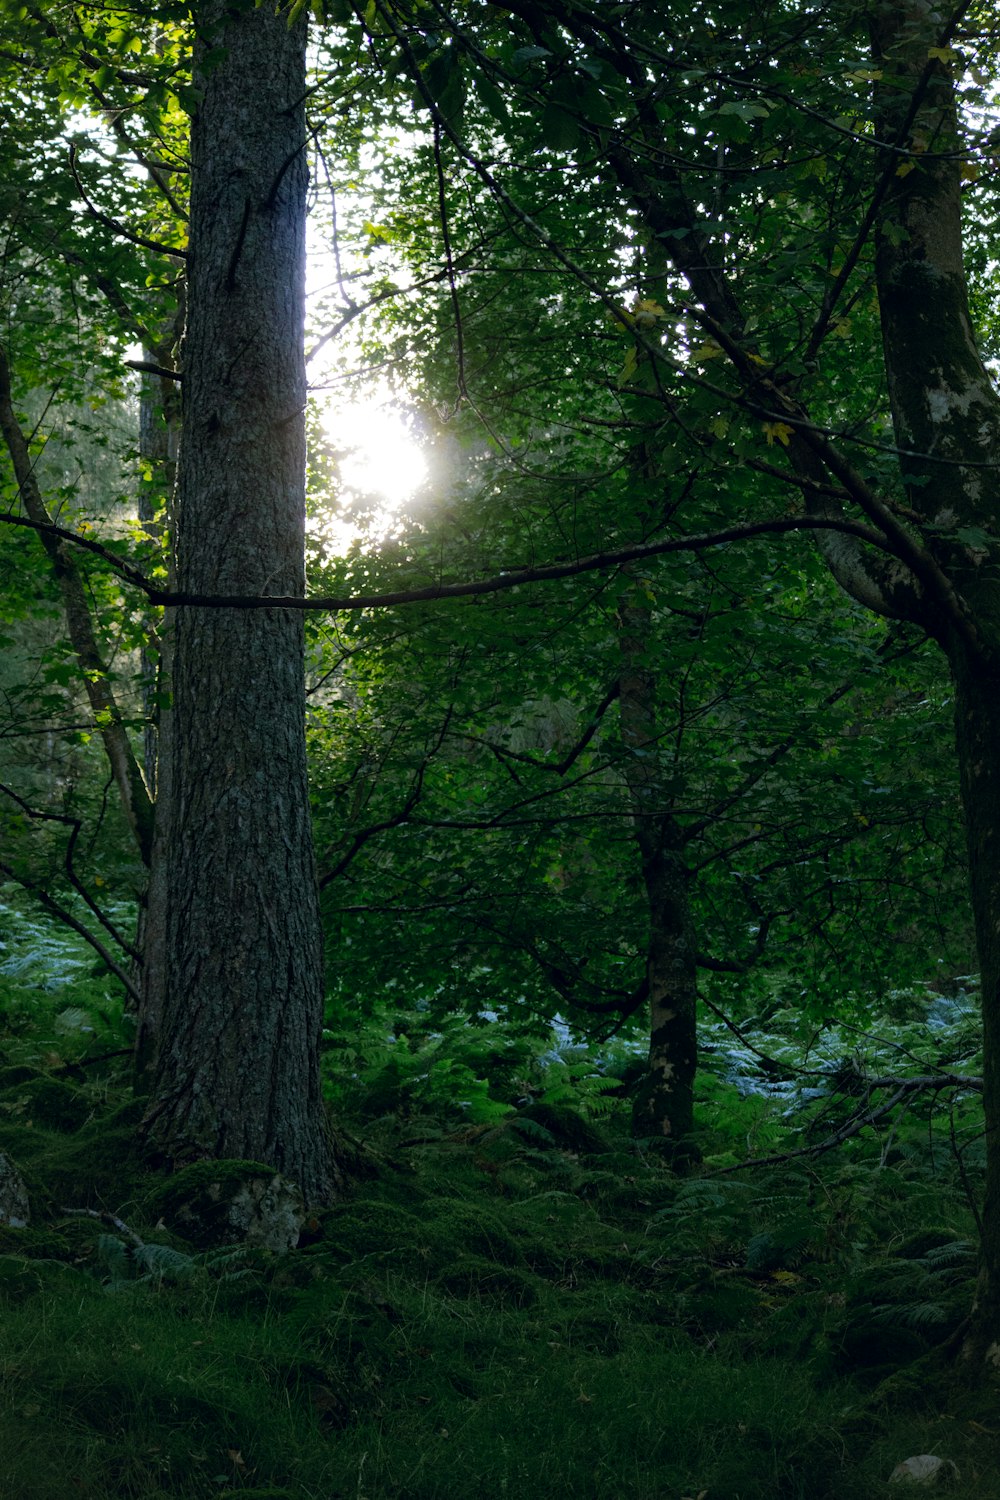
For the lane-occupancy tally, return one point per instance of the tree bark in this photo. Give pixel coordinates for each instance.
(236, 991)
(946, 416)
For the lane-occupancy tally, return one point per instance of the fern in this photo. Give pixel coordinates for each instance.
(162, 1263)
(922, 1317)
(532, 1130)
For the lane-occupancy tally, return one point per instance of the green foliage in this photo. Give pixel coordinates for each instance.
(728, 1331)
(57, 1005)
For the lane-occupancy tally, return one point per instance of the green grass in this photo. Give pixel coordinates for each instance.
(483, 1316)
(512, 1302)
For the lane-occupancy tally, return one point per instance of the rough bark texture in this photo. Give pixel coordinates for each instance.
(236, 988)
(947, 414)
(664, 1103)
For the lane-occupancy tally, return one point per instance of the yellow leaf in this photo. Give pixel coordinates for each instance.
(718, 427)
(904, 168)
(777, 432)
(628, 368)
(969, 171)
(707, 351)
(647, 313)
(943, 54)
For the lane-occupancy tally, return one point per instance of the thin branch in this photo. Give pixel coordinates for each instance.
(121, 230)
(75, 827)
(903, 1088)
(61, 914)
(516, 578)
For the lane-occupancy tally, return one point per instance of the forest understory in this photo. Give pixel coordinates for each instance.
(514, 1297)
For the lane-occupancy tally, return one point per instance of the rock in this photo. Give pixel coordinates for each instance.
(13, 1195)
(232, 1202)
(926, 1470)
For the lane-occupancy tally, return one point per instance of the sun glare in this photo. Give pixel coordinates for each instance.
(379, 456)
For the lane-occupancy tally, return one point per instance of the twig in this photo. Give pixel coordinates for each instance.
(106, 1218)
(865, 1116)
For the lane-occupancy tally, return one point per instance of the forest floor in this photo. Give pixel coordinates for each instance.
(527, 1303)
(523, 1309)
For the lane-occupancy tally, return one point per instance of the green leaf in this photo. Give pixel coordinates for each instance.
(491, 97)
(560, 130)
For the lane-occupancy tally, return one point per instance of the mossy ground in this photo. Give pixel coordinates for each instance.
(484, 1314)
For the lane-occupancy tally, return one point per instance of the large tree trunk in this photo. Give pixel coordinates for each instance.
(237, 988)
(664, 1102)
(946, 417)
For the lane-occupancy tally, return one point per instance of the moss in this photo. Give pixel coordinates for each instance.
(19, 1073)
(180, 1185)
(222, 1202)
(99, 1166)
(49, 1102)
(484, 1280)
(568, 1129)
(22, 1277)
(32, 1242)
(362, 1225)
(456, 1225)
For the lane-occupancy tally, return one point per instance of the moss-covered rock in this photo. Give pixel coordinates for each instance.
(19, 1073)
(225, 1202)
(99, 1166)
(361, 1226)
(455, 1225)
(22, 1277)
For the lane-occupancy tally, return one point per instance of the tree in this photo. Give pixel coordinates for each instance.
(801, 174)
(233, 975)
(232, 985)
(732, 754)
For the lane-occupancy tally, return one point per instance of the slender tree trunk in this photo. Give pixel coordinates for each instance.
(977, 725)
(664, 1103)
(159, 422)
(237, 989)
(135, 800)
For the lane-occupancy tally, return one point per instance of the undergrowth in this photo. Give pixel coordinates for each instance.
(514, 1298)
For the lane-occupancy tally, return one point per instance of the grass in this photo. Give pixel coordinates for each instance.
(482, 1316)
(523, 1305)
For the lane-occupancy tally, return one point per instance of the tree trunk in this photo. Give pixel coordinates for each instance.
(664, 1103)
(158, 441)
(977, 727)
(946, 418)
(237, 989)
